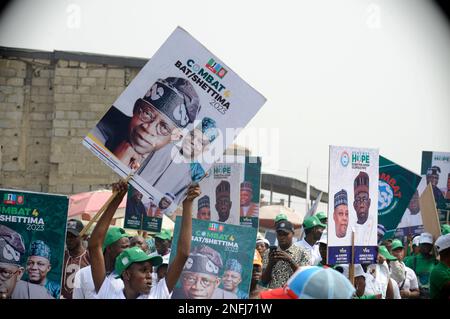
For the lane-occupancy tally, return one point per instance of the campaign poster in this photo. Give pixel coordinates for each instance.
(353, 191)
(250, 188)
(396, 188)
(174, 120)
(143, 214)
(219, 200)
(435, 169)
(220, 263)
(32, 239)
(411, 223)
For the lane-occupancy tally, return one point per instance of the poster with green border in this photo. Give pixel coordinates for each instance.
(220, 263)
(250, 192)
(141, 213)
(40, 221)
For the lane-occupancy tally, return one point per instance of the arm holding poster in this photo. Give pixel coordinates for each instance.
(184, 246)
(98, 236)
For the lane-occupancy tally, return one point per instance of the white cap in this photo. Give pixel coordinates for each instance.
(426, 238)
(359, 271)
(443, 242)
(323, 238)
(415, 240)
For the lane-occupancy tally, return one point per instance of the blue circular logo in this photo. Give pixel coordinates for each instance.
(345, 159)
(385, 195)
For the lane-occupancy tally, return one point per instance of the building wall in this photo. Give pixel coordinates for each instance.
(47, 106)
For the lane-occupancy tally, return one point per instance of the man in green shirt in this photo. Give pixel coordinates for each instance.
(440, 276)
(423, 264)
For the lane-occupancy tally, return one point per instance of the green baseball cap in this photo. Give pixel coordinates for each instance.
(321, 215)
(165, 234)
(112, 235)
(396, 244)
(385, 253)
(134, 255)
(445, 229)
(311, 222)
(280, 217)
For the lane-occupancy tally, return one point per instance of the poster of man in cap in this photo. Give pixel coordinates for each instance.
(220, 192)
(220, 263)
(142, 213)
(32, 237)
(250, 192)
(353, 183)
(171, 120)
(396, 187)
(411, 223)
(435, 169)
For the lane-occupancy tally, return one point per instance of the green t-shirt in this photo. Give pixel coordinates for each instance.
(439, 277)
(422, 267)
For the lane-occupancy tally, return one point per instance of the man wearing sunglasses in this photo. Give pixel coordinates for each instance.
(158, 118)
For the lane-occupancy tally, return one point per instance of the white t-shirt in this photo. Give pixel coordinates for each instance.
(84, 287)
(108, 291)
(377, 277)
(395, 289)
(410, 281)
(313, 251)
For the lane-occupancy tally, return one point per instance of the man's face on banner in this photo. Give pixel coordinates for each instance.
(414, 204)
(194, 144)
(198, 285)
(246, 197)
(149, 129)
(223, 206)
(340, 217)
(164, 203)
(361, 205)
(231, 280)
(9, 275)
(204, 213)
(433, 179)
(37, 269)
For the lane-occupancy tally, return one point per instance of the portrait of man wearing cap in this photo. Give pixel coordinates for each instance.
(232, 278)
(166, 201)
(174, 167)
(76, 257)
(223, 201)
(365, 227)
(168, 106)
(248, 208)
(204, 208)
(340, 213)
(433, 178)
(412, 216)
(12, 249)
(153, 210)
(39, 265)
(200, 278)
(135, 207)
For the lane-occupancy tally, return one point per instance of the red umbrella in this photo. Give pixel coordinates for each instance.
(86, 205)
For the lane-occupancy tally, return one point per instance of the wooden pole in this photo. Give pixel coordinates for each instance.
(351, 268)
(103, 208)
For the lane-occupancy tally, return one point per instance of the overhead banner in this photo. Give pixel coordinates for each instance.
(174, 120)
(396, 187)
(353, 191)
(32, 239)
(220, 263)
(436, 170)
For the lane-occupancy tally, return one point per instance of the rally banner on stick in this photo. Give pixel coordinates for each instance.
(174, 120)
(353, 189)
(429, 212)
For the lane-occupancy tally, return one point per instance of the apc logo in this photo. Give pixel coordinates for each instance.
(345, 159)
(216, 68)
(13, 199)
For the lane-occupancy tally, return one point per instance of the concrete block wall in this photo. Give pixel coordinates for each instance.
(47, 106)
